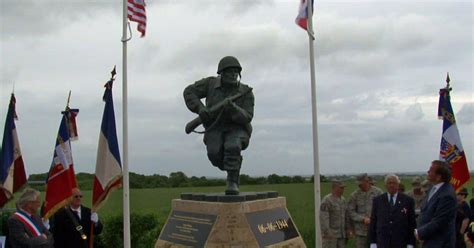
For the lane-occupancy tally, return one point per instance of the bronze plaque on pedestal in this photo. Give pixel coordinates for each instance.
(189, 229)
(271, 226)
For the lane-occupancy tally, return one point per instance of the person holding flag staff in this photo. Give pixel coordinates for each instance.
(71, 225)
(25, 228)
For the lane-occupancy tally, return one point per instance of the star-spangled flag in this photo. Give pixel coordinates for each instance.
(302, 17)
(451, 149)
(136, 13)
(12, 169)
(108, 171)
(61, 177)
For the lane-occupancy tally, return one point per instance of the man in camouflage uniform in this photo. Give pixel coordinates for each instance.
(228, 130)
(359, 208)
(333, 217)
(417, 194)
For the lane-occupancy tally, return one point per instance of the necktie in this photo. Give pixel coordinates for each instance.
(392, 202)
(76, 212)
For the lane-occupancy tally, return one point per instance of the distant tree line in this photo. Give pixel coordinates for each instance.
(176, 179)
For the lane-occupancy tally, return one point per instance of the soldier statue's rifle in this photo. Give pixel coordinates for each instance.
(197, 121)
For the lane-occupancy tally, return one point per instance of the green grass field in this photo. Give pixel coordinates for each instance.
(300, 201)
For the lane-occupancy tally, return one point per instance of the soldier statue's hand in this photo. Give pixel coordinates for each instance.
(204, 115)
(230, 107)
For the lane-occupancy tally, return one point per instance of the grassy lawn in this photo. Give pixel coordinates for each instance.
(300, 201)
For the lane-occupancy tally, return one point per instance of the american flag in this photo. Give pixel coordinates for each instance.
(137, 13)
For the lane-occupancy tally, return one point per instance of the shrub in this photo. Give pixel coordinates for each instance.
(144, 230)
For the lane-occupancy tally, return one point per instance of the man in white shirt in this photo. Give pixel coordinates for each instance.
(438, 213)
(393, 218)
(66, 221)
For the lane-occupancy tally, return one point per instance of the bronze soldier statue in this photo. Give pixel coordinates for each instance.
(226, 117)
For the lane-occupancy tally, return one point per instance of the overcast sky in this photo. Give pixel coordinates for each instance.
(379, 66)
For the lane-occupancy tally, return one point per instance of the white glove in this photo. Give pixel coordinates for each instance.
(46, 223)
(94, 217)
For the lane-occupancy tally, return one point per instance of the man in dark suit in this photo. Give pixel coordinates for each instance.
(393, 218)
(65, 223)
(438, 211)
(25, 228)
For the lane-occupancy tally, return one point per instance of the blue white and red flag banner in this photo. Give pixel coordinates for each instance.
(12, 169)
(302, 17)
(108, 172)
(23, 217)
(61, 177)
(451, 149)
(136, 13)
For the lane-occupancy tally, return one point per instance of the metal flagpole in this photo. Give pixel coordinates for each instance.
(126, 193)
(317, 183)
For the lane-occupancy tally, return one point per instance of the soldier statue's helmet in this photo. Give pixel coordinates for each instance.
(228, 62)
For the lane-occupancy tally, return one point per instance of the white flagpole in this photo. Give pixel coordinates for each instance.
(317, 183)
(126, 198)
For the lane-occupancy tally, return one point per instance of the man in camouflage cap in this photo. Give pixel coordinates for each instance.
(359, 208)
(417, 194)
(333, 217)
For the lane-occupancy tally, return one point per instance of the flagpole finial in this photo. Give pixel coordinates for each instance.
(447, 82)
(113, 73)
(68, 100)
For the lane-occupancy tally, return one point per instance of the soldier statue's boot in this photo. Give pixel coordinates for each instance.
(232, 183)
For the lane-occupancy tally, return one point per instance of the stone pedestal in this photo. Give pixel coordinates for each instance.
(227, 224)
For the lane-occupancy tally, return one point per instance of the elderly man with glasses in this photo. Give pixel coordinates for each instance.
(72, 225)
(25, 228)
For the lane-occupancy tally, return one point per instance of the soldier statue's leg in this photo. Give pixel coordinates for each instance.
(214, 141)
(234, 140)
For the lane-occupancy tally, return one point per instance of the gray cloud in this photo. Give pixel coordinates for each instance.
(465, 115)
(414, 112)
(28, 18)
(378, 70)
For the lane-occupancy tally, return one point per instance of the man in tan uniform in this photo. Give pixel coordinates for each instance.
(417, 194)
(359, 208)
(333, 217)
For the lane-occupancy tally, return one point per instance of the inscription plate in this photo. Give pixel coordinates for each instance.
(271, 226)
(189, 229)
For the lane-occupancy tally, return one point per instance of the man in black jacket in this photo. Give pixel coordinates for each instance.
(25, 228)
(68, 220)
(393, 218)
(438, 211)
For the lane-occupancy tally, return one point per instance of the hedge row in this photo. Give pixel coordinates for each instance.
(145, 229)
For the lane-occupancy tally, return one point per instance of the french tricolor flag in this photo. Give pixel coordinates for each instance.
(302, 18)
(61, 177)
(108, 172)
(12, 169)
(451, 149)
